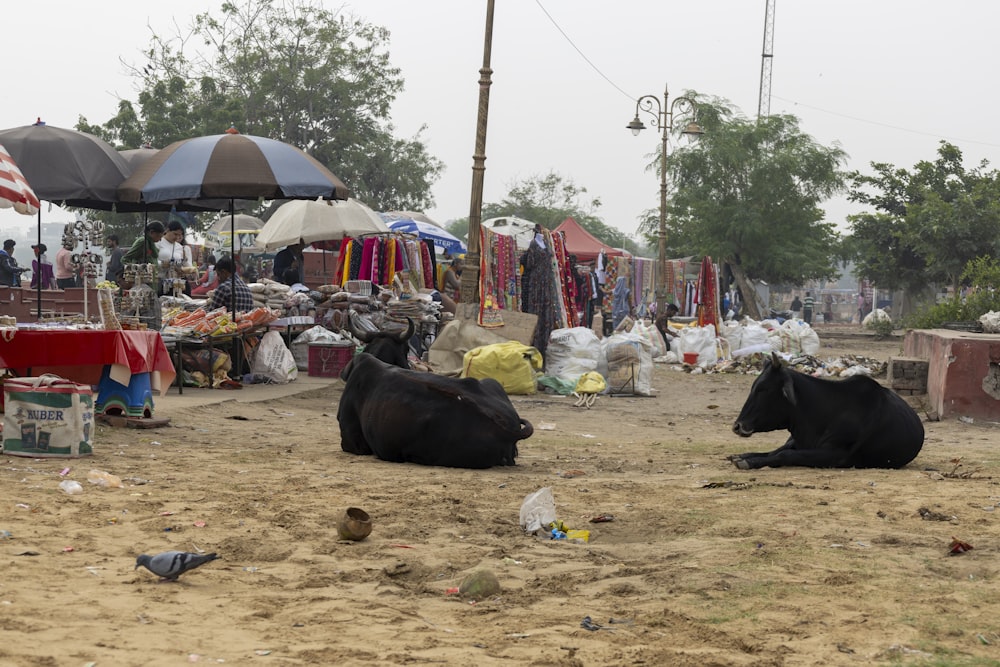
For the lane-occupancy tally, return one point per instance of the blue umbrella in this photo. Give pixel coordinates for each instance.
(424, 230)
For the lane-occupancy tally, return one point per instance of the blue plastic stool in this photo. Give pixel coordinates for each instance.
(114, 398)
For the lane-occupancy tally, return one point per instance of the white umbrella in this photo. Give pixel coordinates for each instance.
(307, 221)
(245, 228)
(522, 230)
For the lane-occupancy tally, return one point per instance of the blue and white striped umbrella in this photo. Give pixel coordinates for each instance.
(425, 230)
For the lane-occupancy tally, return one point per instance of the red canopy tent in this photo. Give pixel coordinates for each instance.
(581, 243)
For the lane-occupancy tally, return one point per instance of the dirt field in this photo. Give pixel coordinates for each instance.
(703, 564)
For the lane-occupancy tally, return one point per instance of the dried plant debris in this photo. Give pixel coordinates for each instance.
(930, 515)
(845, 366)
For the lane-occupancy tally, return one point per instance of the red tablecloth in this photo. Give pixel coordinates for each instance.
(81, 355)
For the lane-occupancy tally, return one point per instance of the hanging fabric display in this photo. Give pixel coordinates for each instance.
(499, 283)
(707, 294)
(567, 285)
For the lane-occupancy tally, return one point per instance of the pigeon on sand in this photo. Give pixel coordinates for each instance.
(171, 564)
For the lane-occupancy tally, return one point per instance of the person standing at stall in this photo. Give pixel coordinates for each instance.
(174, 257)
(115, 253)
(41, 268)
(10, 272)
(64, 269)
(453, 280)
(228, 285)
(290, 257)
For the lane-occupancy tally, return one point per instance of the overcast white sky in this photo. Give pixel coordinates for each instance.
(886, 79)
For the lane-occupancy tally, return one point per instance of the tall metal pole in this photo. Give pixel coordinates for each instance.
(470, 270)
(661, 284)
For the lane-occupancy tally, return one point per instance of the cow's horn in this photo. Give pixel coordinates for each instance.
(411, 327)
(363, 336)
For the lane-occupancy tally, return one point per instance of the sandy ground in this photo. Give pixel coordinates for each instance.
(703, 564)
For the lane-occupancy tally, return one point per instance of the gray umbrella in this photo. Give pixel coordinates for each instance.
(66, 167)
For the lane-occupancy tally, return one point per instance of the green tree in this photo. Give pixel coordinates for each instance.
(926, 224)
(548, 200)
(749, 194)
(293, 71)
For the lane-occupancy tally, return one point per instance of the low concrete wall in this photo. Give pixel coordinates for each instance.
(963, 373)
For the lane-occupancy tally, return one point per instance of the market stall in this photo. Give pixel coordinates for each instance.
(81, 354)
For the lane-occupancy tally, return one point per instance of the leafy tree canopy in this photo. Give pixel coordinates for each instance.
(293, 71)
(749, 194)
(548, 200)
(927, 223)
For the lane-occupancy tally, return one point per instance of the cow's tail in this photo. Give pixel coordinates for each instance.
(526, 429)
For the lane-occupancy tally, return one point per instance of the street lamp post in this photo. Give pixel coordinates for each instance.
(663, 118)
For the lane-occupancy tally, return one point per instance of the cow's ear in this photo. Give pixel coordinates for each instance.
(788, 389)
(776, 360)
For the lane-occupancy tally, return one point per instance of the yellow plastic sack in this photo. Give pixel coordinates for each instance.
(512, 364)
(591, 383)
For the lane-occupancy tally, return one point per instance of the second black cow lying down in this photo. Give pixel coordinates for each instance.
(852, 423)
(410, 416)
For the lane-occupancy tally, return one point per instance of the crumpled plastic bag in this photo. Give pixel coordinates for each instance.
(538, 510)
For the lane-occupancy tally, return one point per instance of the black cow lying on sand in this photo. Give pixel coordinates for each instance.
(410, 416)
(392, 348)
(852, 423)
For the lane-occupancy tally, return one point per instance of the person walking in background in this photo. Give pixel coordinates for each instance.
(10, 272)
(828, 309)
(861, 307)
(807, 308)
(64, 268)
(41, 268)
(796, 306)
(115, 252)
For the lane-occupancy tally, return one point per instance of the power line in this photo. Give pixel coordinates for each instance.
(801, 104)
(887, 125)
(582, 54)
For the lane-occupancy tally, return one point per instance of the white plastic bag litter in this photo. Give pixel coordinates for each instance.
(538, 510)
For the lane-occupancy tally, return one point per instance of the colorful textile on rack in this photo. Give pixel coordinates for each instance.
(564, 276)
(611, 279)
(708, 294)
(499, 281)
